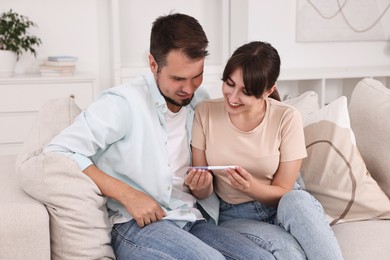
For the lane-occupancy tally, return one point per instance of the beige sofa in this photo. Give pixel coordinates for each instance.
(67, 219)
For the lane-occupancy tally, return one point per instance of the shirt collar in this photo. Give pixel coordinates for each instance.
(158, 99)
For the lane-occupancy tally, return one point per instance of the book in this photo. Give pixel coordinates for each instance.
(62, 58)
(57, 68)
(59, 63)
(57, 73)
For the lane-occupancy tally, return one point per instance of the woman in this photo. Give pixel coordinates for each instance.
(263, 137)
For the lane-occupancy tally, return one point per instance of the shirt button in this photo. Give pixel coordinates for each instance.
(168, 187)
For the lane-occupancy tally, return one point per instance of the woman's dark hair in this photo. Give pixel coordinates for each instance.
(260, 65)
(177, 32)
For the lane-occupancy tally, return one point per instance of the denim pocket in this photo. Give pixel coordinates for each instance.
(265, 213)
(224, 206)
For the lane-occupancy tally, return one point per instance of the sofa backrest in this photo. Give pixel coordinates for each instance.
(369, 110)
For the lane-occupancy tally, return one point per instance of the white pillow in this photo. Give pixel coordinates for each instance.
(334, 171)
(306, 103)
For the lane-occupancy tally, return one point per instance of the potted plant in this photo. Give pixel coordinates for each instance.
(14, 40)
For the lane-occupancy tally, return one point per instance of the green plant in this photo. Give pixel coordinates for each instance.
(14, 33)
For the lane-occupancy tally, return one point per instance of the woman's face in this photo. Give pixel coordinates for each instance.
(237, 100)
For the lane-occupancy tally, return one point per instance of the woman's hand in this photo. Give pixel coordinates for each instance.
(240, 179)
(267, 193)
(200, 183)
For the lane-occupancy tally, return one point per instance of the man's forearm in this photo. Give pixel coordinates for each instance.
(108, 185)
(143, 208)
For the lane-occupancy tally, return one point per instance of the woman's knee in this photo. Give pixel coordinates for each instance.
(298, 207)
(298, 200)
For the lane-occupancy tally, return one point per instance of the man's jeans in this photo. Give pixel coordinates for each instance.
(295, 230)
(166, 240)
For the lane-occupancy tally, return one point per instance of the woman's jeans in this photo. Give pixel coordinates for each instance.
(166, 240)
(297, 229)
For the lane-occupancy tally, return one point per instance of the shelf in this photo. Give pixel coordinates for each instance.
(21, 96)
(36, 78)
(329, 83)
(333, 73)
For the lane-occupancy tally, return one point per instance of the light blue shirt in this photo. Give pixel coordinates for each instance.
(124, 134)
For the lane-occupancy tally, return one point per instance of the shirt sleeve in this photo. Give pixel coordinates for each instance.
(103, 123)
(292, 145)
(198, 131)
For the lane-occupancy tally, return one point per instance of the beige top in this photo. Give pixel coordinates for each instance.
(278, 138)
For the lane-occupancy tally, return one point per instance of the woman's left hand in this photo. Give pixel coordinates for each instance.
(239, 178)
(198, 180)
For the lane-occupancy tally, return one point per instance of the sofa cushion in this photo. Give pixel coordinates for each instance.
(306, 103)
(24, 224)
(334, 171)
(364, 239)
(79, 226)
(369, 110)
(53, 116)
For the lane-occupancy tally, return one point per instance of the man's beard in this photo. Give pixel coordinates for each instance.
(183, 102)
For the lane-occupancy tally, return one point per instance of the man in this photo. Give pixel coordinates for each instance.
(133, 142)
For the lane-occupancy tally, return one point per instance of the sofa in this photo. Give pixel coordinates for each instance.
(51, 210)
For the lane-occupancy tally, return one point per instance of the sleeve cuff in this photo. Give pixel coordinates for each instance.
(82, 161)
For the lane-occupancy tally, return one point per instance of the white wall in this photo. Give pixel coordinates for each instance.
(82, 28)
(136, 22)
(274, 21)
(71, 27)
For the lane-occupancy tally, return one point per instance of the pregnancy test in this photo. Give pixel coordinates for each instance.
(212, 167)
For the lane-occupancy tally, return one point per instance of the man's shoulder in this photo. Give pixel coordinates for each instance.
(129, 88)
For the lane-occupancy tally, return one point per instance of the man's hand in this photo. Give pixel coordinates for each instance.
(144, 209)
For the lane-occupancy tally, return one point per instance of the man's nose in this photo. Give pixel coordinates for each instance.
(190, 86)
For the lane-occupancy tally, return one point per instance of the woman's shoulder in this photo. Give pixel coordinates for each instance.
(280, 105)
(210, 108)
(283, 109)
(210, 103)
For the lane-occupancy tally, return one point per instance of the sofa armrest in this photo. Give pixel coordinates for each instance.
(24, 225)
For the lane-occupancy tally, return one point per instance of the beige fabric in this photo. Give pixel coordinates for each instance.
(279, 137)
(53, 116)
(24, 222)
(334, 171)
(370, 113)
(364, 239)
(79, 227)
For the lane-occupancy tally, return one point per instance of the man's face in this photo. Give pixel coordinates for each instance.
(179, 79)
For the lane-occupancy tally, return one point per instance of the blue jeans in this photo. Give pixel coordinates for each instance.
(297, 229)
(166, 240)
